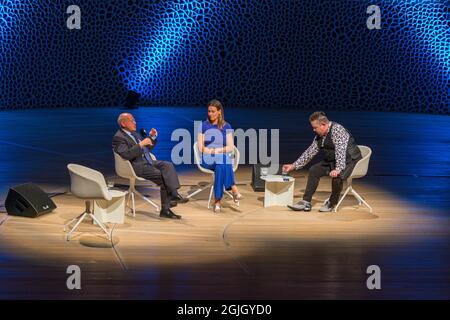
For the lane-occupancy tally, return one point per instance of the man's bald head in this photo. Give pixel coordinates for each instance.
(122, 117)
(126, 121)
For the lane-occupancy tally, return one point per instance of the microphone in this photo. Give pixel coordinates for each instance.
(143, 133)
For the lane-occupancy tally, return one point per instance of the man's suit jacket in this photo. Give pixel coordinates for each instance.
(128, 149)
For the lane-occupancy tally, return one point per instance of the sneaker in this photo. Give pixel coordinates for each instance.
(302, 205)
(216, 208)
(327, 207)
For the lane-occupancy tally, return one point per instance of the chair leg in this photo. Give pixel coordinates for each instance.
(134, 192)
(210, 197)
(357, 197)
(76, 225)
(72, 221)
(133, 205)
(87, 210)
(127, 201)
(101, 225)
(342, 198)
(146, 199)
(81, 217)
(228, 193)
(360, 199)
(198, 191)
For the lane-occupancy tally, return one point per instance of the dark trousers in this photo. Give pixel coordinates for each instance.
(323, 169)
(163, 173)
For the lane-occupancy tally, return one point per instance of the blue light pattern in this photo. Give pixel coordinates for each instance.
(304, 54)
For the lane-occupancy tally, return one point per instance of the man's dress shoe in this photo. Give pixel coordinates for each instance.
(169, 214)
(178, 198)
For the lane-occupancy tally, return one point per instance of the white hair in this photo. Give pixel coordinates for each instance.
(121, 117)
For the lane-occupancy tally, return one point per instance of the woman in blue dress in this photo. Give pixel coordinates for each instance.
(216, 144)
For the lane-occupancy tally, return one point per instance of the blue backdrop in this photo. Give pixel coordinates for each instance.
(308, 54)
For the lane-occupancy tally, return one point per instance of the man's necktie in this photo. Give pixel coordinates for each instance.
(138, 139)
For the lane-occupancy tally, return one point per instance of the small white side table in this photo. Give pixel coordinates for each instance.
(279, 190)
(112, 211)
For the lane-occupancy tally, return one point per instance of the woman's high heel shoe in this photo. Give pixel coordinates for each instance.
(236, 197)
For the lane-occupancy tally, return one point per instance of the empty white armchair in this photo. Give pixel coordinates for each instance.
(197, 158)
(107, 205)
(359, 171)
(124, 169)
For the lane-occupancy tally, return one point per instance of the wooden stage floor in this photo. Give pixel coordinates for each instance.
(246, 252)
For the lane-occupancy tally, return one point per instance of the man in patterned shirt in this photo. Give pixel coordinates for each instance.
(341, 154)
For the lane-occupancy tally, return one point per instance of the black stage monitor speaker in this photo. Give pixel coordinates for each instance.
(259, 184)
(28, 200)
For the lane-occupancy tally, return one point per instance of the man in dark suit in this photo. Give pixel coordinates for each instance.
(131, 146)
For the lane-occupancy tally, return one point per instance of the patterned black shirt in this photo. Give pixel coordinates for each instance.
(339, 136)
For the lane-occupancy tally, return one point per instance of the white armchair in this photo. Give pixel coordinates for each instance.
(359, 171)
(125, 170)
(89, 184)
(197, 159)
